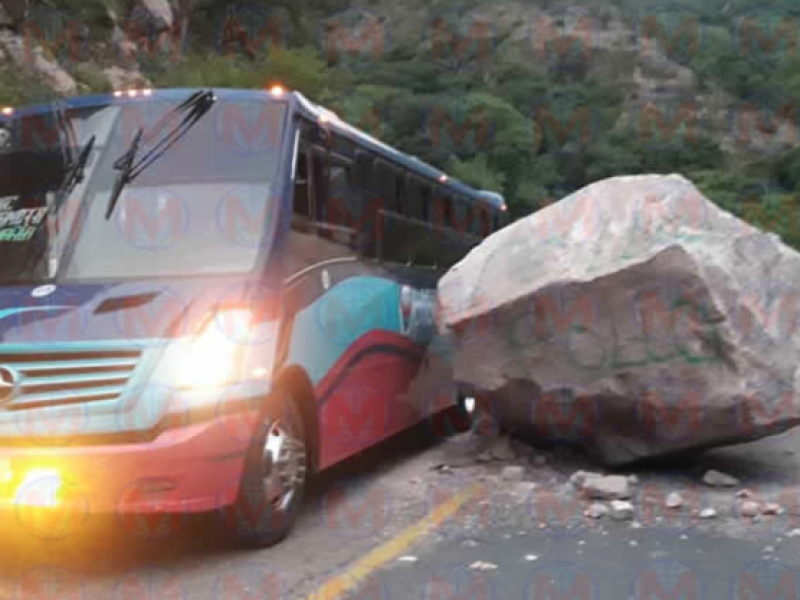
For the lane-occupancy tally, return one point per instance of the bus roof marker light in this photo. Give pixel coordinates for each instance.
(443, 179)
(7, 111)
(147, 92)
(117, 93)
(277, 90)
(132, 93)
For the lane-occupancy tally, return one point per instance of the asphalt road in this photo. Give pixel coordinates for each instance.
(375, 528)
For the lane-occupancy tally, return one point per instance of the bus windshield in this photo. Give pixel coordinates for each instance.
(201, 207)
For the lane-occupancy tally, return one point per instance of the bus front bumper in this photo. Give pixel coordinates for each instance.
(191, 469)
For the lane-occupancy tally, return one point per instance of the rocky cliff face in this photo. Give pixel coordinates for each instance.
(50, 45)
(55, 43)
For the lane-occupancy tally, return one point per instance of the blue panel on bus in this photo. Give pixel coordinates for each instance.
(324, 330)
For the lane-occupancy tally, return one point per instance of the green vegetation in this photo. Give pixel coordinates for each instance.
(533, 117)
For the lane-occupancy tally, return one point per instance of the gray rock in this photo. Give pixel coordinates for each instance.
(708, 513)
(512, 473)
(154, 14)
(122, 79)
(634, 318)
(29, 56)
(719, 479)
(749, 509)
(14, 11)
(596, 511)
(601, 487)
(501, 450)
(621, 510)
(5, 19)
(674, 500)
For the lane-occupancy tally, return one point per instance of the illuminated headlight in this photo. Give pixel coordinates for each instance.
(215, 354)
(40, 488)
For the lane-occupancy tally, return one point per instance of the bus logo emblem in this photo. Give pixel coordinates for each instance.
(43, 291)
(8, 384)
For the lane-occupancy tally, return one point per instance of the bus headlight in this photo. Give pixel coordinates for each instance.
(214, 355)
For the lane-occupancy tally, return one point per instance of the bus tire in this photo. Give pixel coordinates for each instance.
(274, 477)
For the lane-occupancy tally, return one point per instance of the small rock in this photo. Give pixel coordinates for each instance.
(749, 509)
(531, 557)
(636, 525)
(633, 480)
(719, 479)
(769, 549)
(524, 488)
(621, 510)
(501, 450)
(633, 543)
(579, 477)
(793, 533)
(540, 460)
(480, 565)
(596, 511)
(512, 473)
(708, 513)
(772, 508)
(407, 559)
(674, 500)
(601, 487)
(470, 543)
(744, 494)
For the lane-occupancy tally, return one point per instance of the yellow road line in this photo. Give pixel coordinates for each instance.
(360, 570)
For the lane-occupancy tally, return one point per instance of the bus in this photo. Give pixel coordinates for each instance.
(207, 295)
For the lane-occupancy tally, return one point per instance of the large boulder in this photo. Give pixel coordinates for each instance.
(635, 318)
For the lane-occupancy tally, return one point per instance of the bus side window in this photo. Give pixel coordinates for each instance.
(384, 186)
(462, 211)
(425, 195)
(413, 197)
(362, 173)
(301, 202)
(485, 224)
(401, 199)
(445, 216)
(321, 171)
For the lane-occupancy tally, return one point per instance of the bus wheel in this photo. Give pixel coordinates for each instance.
(274, 478)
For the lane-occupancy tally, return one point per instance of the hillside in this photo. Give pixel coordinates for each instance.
(532, 97)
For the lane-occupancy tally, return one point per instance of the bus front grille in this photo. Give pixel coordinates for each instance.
(69, 376)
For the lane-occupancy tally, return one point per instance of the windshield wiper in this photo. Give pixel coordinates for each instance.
(75, 172)
(130, 165)
(65, 124)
